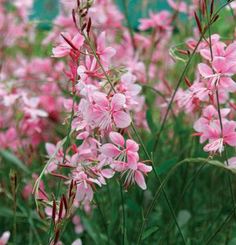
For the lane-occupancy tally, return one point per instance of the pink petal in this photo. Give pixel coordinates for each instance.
(204, 70)
(231, 139)
(108, 53)
(228, 84)
(131, 145)
(178, 5)
(219, 64)
(101, 41)
(205, 53)
(140, 180)
(110, 150)
(60, 51)
(230, 52)
(50, 148)
(132, 159)
(78, 40)
(118, 102)
(121, 119)
(108, 173)
(117, 138)
(144, 168)
(101, 99)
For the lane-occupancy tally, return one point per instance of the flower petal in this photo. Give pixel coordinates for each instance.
(117, 138)
(140, 180)
(110, 150)
(121, 119)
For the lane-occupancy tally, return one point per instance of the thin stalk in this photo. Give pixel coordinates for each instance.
(123, 215)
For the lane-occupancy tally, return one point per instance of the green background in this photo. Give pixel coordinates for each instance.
(46, 10)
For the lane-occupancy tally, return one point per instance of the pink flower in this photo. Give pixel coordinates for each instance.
(137, 175)
(104, 53)
(84, 186)
(161, 21)
(209, 116)
(220, 49)
(191, 43)
(64, 48)
(90, 69)
(216, 140)
(122, 151)
(179, 6)
(105, 112)
(31, 109)
(130, 89)
(57, 156)
(125, 159)
(220, 74)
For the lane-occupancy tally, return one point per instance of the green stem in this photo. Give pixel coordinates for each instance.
(123, 215)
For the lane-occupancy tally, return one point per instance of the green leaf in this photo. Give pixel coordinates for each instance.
(11, 158)
(150, 232)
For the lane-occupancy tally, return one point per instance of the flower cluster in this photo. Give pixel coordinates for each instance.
(108, 97)
(211, 93)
